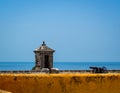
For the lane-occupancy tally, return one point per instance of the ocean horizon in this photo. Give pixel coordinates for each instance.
(9, 66)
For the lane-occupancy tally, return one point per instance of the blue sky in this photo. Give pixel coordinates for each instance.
(79, 30)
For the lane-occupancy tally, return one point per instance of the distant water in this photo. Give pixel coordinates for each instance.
(60, 65)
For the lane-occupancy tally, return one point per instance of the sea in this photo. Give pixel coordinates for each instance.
(10, 66)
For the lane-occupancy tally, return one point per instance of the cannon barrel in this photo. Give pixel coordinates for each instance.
(93, 67)
(99, 69)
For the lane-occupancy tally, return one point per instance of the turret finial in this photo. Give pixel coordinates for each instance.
(43, 43)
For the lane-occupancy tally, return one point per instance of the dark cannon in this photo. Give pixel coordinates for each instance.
(99, 69)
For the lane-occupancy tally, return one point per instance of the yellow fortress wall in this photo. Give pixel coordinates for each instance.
(60, 83)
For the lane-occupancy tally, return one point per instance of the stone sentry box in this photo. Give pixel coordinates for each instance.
(43, 57)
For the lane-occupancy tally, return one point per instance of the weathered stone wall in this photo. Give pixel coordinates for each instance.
(60, 83)
(60, 71)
